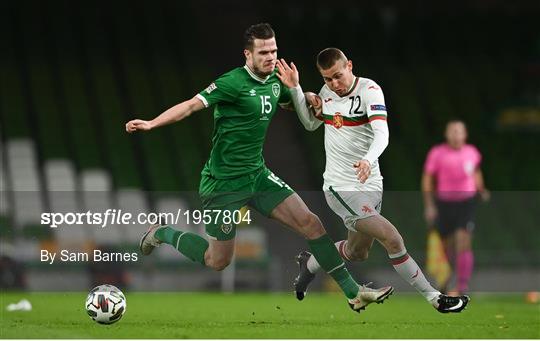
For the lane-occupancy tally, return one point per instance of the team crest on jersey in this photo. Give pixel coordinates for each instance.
(338, 120)
(226, 228)
(211, 88)
(276, 89)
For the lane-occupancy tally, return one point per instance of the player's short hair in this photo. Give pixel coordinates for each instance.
(257, 31)
(329, 56)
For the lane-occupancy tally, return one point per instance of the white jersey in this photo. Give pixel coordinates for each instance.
(348, 134)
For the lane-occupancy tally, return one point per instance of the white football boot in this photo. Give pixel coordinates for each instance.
(149, 241)
(367, 295)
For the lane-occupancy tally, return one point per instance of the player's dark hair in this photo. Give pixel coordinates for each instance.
(328, 57)
(258, 31)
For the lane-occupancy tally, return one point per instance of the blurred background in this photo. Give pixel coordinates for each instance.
(72, 73)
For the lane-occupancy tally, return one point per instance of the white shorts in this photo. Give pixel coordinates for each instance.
(354, 205)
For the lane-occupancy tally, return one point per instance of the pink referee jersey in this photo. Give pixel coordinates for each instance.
(453, 170)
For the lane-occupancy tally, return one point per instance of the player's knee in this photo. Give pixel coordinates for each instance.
(463, 237)
(311, 225)
(358, 255)
(394, 244)
(218, 263)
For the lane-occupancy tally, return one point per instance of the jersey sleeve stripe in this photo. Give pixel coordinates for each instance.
(377, 117)
(201, 97)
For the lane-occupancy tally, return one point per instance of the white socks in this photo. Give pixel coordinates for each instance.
(404, 265)
(407, 268)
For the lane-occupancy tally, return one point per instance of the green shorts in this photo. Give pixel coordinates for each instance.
(221, 198)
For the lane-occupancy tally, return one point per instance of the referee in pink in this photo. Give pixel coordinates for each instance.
(451, 181)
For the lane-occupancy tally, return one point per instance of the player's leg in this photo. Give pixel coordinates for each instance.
(464, 259)
(219, 254)
(447, 224)
(462, 233)
(294, 213)
(449, 246)
(217, 196)
(464, 250)
(448, 241)
(355, 248)
(277, 200)
(189, 244)
(216, 254)
(381, 229)
(347, 205)
(386, 234)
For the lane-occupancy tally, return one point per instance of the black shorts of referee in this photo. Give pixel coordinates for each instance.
(453, 215)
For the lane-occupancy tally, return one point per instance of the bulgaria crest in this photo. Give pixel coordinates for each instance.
(338, 120)
(276, 89)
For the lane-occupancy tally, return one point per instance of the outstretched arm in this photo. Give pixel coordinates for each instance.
(171, 115)
(302, 102)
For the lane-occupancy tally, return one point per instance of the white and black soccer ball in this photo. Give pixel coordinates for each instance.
(105, 304)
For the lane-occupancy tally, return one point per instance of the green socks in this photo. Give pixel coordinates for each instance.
(189, 244)
(194, 246)
(326, 254)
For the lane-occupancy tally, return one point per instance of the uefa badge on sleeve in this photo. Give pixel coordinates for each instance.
(338, 120)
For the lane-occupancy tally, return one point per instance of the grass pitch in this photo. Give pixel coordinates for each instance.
(196, 315)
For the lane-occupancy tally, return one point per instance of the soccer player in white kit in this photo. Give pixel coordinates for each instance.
(356, 133)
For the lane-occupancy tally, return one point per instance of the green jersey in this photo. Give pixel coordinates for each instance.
(244, 106)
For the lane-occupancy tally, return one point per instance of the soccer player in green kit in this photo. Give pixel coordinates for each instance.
(235, 175)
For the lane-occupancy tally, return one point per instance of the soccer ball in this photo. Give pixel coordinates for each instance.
(105, 304)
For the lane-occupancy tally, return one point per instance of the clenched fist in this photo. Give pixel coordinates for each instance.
(135, 125)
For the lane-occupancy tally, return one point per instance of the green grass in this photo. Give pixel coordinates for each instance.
(187, 315)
